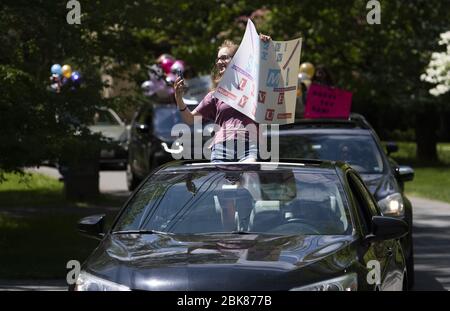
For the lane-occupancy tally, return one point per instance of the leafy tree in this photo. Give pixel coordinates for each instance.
(438, 70)
(380, 64)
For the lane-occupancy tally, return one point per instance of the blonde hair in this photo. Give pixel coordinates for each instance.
(232, 47)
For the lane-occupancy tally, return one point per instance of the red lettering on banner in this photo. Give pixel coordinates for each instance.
(326, 102)
(243, 83)
(243, 101)
(269, 114)
(280, 98)
(261, 97)
(226, 93)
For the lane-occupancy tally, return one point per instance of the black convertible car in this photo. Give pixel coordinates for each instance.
(300, 226)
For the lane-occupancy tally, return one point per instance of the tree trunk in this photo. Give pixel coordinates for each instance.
(81, 175)
(81, 181)
(427, 124)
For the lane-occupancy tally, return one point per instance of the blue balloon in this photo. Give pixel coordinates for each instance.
(75, 77)
(56, 69)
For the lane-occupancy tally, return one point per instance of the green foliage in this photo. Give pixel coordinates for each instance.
(380, 64)
(430, 182)
(408, 150)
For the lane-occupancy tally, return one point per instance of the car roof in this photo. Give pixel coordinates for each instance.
(282, 163)
(334, 131)
(354, 121)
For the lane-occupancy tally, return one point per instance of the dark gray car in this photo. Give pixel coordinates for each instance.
(355, 142)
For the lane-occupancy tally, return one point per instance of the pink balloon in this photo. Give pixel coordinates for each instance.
(164, 56)
(166, 64)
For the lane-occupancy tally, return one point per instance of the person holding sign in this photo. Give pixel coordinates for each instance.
(236, 129)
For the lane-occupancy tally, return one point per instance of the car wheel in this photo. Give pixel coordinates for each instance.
(410, 266)
(132, 180)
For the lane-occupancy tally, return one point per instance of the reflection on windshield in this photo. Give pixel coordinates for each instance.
(360, 152)
(272, 202)
(165, 118)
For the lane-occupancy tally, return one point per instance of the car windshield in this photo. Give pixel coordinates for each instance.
(282, 201)
(104, 118)
(360, 151)
(165, 117)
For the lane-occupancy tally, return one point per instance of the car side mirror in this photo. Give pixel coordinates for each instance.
(391, 147)
(404, 173)
(92, 226)
(142, 128)
(387, 228)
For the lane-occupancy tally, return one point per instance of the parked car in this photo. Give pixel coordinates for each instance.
(110, 125)
(306, 226)
(355, 142)
(151, 140)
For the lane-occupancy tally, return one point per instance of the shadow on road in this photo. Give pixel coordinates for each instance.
(432, 254)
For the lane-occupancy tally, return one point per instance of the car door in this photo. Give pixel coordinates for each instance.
(383, 252)
(140, 140)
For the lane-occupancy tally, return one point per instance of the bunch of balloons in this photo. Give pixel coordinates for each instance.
(162, 75)
(63, 76)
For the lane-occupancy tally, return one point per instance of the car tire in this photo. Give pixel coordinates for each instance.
(132, 180)
(410, 265)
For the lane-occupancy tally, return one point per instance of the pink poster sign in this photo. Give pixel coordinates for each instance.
(326, 102)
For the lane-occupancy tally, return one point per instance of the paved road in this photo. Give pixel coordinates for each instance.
(431, 239)
(431, 236)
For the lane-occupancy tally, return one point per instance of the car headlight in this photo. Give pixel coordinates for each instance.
(88, 282)
(392, 205)
(347, 282)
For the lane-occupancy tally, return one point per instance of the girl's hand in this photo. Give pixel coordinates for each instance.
(179, 88)
(264, 37)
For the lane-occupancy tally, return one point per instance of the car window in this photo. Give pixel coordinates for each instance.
(165, 117)
(360, 151)
(272, 202)
(104, 117)
(366, 206)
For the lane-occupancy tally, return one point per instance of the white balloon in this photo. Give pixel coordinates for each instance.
(149, 87)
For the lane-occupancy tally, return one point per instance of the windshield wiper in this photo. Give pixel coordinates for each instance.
(141, 232)
(232, 232)
(241, 232)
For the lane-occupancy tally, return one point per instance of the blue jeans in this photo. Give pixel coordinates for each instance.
(234, 151)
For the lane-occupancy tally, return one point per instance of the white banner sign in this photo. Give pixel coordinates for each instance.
(261, 79)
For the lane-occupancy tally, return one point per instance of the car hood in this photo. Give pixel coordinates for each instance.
(113, 132)
(380, 185)
(219, 262)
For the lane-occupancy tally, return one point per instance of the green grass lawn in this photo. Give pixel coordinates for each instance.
(38, 242)
(30, 189)
(34, 189)
(40, 246)
(430, 181)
